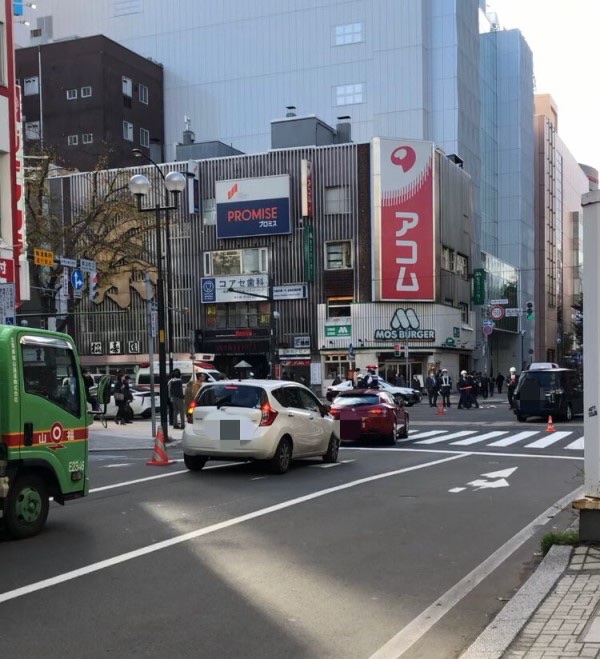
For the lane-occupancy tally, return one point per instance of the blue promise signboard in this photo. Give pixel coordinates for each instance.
(253, 207)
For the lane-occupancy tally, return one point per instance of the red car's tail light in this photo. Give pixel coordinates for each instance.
(189, 415)
(268, 415)
(378, 411)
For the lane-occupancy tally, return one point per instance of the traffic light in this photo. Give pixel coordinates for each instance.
(529, 310)
(93, 286)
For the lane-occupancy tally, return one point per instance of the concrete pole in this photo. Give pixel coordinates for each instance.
(589, 506)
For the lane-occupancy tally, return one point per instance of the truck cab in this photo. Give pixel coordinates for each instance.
(43, 427)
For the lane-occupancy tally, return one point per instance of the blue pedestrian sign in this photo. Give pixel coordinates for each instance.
(77, 279)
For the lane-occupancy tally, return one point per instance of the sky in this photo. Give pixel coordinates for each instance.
(564, 36)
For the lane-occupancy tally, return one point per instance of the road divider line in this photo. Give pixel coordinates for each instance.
(420, 625)
(198, 533)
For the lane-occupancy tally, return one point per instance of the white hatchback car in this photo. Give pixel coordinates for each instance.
(272, 420)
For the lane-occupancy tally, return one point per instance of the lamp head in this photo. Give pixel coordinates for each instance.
(137, 153)
(175, 182)
(139, 185)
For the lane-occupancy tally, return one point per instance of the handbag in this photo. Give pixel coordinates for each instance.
(119, 396)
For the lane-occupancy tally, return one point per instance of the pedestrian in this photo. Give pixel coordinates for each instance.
(336, 380)
(122, 396)
(511, 385)
(171, 409)
(499, 382)
(491, 385)
(445, 387)
(400, 381)
(464, 388)
(177, 397)
(474, 391)
(432, 387)
(88, 383)
(416, 383)
(372, 379)
(358, 379)
(485, 385)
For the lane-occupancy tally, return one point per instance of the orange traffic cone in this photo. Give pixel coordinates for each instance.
(159, 456)
(550, 427)
(440, 408)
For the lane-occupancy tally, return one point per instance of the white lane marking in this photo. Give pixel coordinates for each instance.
(513, 439)
(480, 438)
(550, 438)
(420, 625)
(456, 490)
(577, 445)
(429, 433)
(122, 464)
(448, 451)
(198, 533)
(445, 438)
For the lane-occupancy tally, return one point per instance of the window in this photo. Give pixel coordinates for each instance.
(446, 258)
(238, 314)
(462, 266)
(71, 94)
(31, 86)
(87, 138)
(339, 307)
(464, 312)
(73, 140)
(127, 86)
(338, 255)
(50, 372)
(32, 130)
(144, 137)
(337, 200)
(349, 94)
(128, 131)
(350, 33)
(2, 54)
(86, 92)
(209, 212)
(143, 94)
(249, 261)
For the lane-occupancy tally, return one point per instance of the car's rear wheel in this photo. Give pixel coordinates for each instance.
(521, 418)
(569, 413)
(332, 450)
(194, 462)
(393, 436)
(282, 459)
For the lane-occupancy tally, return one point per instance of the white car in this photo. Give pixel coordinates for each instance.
(410, 396)
(271, 420)
(141, 403)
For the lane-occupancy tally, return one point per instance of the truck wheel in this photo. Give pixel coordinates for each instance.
(26, 507)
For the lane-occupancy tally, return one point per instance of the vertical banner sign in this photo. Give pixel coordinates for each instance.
(403, 220)
(309, 253)
(18, 228)
(479, 286)
(64, 289)
(306, 183)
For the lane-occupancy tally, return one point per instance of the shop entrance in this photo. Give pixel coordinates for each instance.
(410, 373)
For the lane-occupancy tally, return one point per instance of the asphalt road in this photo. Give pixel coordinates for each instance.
(401, 551)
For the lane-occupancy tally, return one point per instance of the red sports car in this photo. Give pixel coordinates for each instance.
(365, 413)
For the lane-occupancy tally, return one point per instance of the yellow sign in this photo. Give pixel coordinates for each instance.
(43, 257)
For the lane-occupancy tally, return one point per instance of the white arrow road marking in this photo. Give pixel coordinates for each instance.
(456, 490)
(499, 483)
(577, 445)
(513, 439)
(478, 483)
(550, 438)
(480, 438)
(453, 435)
(505, 473)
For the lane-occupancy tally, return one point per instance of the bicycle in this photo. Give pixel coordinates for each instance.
(101, 416)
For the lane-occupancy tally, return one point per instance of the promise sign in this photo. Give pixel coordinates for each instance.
(403, 220)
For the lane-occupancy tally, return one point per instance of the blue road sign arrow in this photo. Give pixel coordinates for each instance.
(77, 279)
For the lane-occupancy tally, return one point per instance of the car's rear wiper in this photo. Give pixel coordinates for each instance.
(223, 401)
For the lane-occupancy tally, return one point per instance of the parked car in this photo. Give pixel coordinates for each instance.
(546, 390)
(410, 395)
(271, 420)
(141, 403)
(370, 413)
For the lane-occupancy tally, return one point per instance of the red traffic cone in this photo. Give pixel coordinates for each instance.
(550, 427)
(159, 456)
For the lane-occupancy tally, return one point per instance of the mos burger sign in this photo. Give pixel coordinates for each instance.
(253, 207)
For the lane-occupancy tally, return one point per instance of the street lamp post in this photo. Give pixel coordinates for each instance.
(138, 153)
(140, 187)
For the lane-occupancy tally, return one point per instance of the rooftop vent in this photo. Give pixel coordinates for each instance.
(291, 110)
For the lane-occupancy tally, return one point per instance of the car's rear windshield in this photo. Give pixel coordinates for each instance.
(232, 394)
(358, 399)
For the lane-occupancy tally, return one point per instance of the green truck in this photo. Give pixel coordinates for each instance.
(43, 427)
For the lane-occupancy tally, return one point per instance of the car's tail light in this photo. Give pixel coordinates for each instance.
(189, 415)
(268, 415)
(378, 411)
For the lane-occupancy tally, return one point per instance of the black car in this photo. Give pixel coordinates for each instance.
(556, 392)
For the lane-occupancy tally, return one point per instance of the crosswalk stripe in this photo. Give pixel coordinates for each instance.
(513, 439)
(479, 438)
(445, 438)
(429, 433)
(549, 439)
(577, 445)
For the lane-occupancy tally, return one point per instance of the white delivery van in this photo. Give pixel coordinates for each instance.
(187, 368)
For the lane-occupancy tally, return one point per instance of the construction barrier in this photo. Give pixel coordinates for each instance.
(159, 456)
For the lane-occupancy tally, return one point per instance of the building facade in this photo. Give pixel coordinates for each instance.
(88, 101)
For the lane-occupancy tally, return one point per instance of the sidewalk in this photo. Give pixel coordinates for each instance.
(132, 437)
(556, 613)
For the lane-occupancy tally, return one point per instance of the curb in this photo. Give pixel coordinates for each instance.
(501, 632)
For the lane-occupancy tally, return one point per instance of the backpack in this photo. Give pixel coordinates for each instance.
(104, 389)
